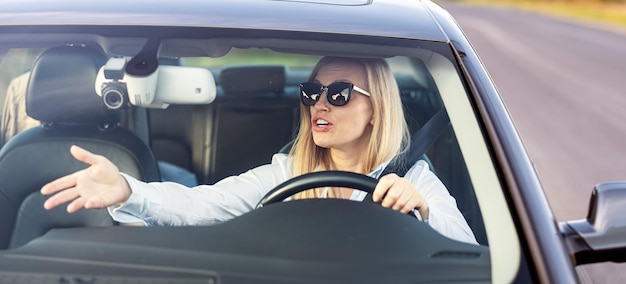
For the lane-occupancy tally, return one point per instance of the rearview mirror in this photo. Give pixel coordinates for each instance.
(167, 85)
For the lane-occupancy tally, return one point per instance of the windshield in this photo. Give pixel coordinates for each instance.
(219, 109)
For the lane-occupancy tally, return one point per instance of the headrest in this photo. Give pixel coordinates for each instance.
(61, 86)
(249, 80)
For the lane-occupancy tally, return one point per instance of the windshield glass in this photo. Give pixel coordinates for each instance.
(221, 114)
(254, 56)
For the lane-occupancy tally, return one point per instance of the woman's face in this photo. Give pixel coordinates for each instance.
(347, 128)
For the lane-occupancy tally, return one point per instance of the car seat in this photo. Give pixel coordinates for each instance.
(252, 120)
(61, 94)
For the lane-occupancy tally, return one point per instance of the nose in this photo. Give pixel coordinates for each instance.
(322, 103)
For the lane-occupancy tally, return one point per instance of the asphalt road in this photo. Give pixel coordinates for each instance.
(564, 83)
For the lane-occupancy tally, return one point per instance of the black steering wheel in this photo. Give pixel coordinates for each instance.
(320, 179)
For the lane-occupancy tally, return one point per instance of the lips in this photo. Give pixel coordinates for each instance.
(320, 124)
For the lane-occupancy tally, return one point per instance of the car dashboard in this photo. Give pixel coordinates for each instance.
(303, 241)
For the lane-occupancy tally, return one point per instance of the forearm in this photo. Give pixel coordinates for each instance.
(172, 204)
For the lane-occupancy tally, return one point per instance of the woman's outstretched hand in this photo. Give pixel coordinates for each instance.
(400, 195)
(98, 186)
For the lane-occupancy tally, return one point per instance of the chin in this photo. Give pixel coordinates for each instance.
(322, 143)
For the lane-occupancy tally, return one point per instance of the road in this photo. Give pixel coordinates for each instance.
(564, 83)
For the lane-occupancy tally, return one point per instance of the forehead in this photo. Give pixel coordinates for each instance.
(341, 71)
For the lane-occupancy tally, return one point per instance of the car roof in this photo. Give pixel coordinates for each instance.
(408, 20)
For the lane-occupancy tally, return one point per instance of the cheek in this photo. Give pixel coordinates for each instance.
(370, 116)
(360, 116)
(363, 122)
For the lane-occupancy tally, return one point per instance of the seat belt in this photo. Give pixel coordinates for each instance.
(421, 141)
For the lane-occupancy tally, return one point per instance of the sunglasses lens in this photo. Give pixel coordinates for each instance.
(310, 93)
(339, 93)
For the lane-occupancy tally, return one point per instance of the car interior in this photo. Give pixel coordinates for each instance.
(199, 92)
(253, 115)
(260, 103)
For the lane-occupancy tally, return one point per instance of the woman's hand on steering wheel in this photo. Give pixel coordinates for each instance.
(399, 194)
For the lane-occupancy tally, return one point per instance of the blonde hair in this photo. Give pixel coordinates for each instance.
(389, 132)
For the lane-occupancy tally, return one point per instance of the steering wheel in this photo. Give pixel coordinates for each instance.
(320, 179)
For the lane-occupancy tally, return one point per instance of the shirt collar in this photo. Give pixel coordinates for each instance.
(379, 170)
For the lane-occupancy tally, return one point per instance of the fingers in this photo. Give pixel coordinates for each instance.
(60, 198)
(77, 204)
(383, 185)
(81, 187)
(78, 201)
(59, 184)
(93, 202)
(70, 180)
(84, 155)
(64, 187)
(404, 201)
(398, 194)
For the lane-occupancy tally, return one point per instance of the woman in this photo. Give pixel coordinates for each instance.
(350, 121)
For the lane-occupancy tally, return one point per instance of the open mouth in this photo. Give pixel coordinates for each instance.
(321, 123)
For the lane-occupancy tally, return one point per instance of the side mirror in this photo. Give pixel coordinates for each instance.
(602, 235)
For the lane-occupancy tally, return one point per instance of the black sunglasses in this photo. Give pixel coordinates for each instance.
(337, 94)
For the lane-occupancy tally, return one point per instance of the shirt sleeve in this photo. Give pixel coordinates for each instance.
(444, 215)
(173, 204)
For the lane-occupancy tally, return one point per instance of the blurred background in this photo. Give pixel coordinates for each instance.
(609, 11)
(560, 67)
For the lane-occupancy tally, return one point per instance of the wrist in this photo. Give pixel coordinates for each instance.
(125, 189)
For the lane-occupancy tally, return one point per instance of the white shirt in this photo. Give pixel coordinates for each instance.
(173, 204)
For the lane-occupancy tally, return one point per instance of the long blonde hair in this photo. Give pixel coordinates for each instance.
(389, 132)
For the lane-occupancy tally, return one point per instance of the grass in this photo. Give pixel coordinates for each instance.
(613, 13)
(254, 56)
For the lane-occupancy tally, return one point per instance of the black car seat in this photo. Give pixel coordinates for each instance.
(61, 94)
(252, 117)
(251, 121)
